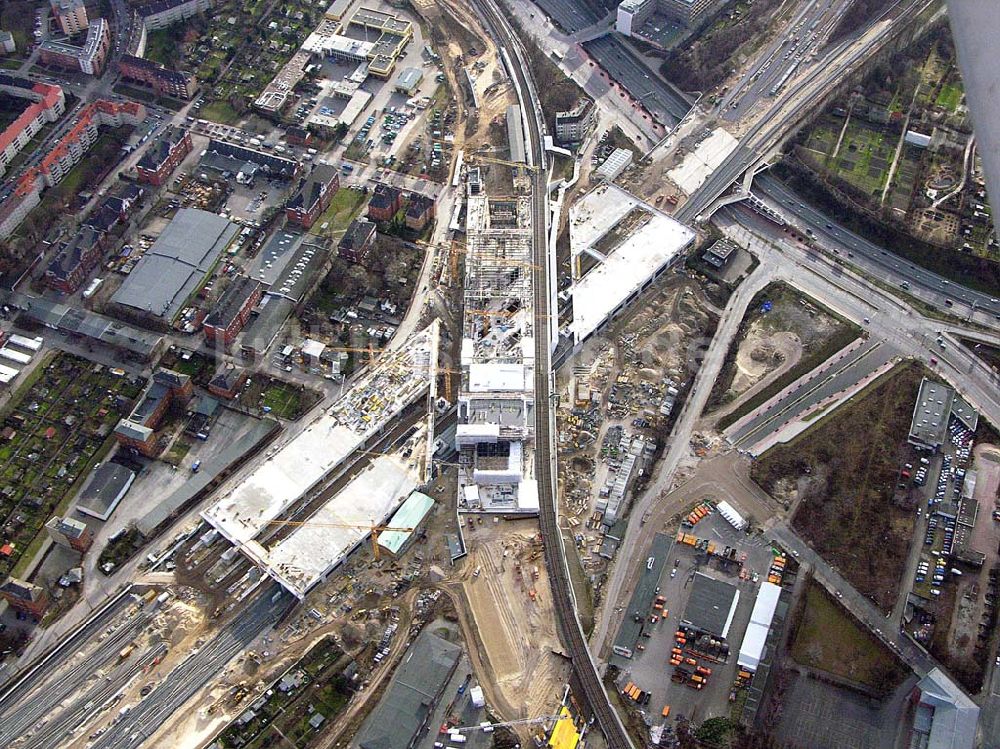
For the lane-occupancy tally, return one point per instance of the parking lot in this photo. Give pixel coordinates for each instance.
(649, 667)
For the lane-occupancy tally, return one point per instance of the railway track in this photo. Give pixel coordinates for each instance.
(555, 558)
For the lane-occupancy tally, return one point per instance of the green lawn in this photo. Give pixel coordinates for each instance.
(950, 97)
(344, 208)
(220, 111)
(830, 639)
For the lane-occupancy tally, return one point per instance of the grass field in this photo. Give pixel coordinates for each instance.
(845, 466)
(950, 97)
(220, 111)
(344, 208)
(830, 639)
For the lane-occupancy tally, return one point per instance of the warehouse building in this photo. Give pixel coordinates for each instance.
(943, 715)
(108, 485)
(754, 641)
(711, 606)
(403, 714)
(175, 267)
(409, 515)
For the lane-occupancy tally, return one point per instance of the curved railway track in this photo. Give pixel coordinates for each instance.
(573, 640)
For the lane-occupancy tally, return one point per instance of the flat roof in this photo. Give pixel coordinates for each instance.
(174, 267)
(655, 243)
(752, 649)
(304, 558)
(274, 256)
(711, 605)
(929, 425)
(291, 470)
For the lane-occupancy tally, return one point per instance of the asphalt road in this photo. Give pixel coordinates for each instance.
(820, 384)
(659, 98)
(803, 36)
(870, 257)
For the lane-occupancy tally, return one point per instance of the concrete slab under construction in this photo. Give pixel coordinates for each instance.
(291, 471)
(495, 433)
(632, 243)
(306, 556)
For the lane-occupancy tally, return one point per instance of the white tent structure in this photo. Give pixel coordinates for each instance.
(732, 517)
(752, 649)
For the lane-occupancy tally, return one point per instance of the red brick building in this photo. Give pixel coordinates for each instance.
(313, 195)
(232, 311)
(357, 241)
(25, 597)
(164, 81)
(228, 380)
(163, 156)
(385, 203)
(75, 259)
(138, 431)
(419, 212)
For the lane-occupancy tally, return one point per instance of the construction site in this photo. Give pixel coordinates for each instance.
(494, 437)
(249, 514)
(623, 391)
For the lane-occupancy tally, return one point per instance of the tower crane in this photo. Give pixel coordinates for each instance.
(503, 724)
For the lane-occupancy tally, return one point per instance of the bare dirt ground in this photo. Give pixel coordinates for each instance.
(516, 636)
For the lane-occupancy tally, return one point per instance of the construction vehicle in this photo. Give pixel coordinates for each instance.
(373, 529)
(490, 727)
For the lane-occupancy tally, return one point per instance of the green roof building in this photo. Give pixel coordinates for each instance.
(409, 515)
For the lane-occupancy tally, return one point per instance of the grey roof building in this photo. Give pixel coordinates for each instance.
(711, 606)
(176, 265)
(929, 425)
(945, 717)
(401, 717)
(108, 484)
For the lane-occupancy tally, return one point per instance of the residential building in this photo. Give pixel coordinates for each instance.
(159, 14)
(385, 203)
(138, 430)
(298, 136)
(357, 241)
(232, 311)
(74, 260)
(313, 195)
(574, 125)
(89, 59)
(164, 81)
(70, 533)
(419, 211)
(164, 156)
(71, 15)
(228, 381)
(44, 103)
(25, 597)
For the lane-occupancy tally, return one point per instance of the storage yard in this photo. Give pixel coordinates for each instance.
(702, 610)
(623, 391)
